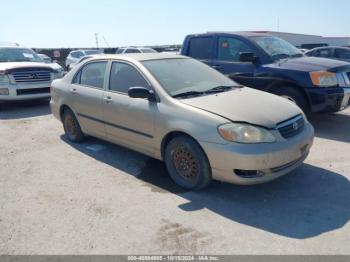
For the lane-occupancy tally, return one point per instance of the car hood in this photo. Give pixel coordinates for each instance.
(13, 65)
(247, 105)
(309, 64)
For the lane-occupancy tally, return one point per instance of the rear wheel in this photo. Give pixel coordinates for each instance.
(295, 96)
(71, 127)
(187, 163)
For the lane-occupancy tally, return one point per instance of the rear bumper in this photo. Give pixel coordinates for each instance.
(328, 99)
(270, 161)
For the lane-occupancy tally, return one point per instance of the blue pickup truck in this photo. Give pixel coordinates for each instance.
(271, 64)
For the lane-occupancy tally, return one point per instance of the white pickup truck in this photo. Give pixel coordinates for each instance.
(24, 75)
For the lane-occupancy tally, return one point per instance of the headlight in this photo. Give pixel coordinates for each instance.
(324, 78)
(58, 70)
(245, 133)
(4, 79)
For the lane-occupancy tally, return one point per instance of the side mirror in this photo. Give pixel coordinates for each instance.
(248, 57)
(141, 92)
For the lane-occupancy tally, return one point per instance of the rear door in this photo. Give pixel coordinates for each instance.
(87, 91)
(202, 48)
(129, 121)
(227, 53)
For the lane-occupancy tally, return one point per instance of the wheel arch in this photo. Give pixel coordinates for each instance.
(280, 84)
(169, 136)
(63, 108)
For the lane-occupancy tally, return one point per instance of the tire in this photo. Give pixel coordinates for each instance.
(71, 127)
(294, 95)
(187, 163)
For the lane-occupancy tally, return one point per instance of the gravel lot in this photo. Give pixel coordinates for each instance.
(98, 198)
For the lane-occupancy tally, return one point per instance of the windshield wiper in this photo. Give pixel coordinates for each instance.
(219, 89)
(280, 56)
(189, 93)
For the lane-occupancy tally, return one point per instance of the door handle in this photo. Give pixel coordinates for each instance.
(107, 99)
(74, 91)
(217, 67)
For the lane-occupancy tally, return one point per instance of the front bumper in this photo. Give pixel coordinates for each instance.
(21, 92)
(328, 99)
(270, 160)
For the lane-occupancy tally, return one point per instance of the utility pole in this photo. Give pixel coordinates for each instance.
(96, 38)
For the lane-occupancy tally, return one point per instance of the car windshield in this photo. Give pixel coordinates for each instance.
(18, 55)
(148, 50)
(277, 48)
(187, 76)
(92, 52)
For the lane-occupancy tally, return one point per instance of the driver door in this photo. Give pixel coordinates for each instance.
(227, 60)
(128, 121)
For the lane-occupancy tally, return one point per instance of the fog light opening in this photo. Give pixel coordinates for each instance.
(4, 91)
(249, 173)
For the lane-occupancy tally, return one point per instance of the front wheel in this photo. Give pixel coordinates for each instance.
(295, 96)
(187, 163)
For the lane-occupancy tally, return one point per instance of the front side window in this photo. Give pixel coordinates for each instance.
(180, 75)
(92, 74)
(229, 49)
(124, 76)
(277, 48)
(342, 53)
(323, 53)
(132, 50)
(201, 47)
(18, 55)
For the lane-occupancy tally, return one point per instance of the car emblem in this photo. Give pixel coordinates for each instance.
(34, 76)
(295, 125)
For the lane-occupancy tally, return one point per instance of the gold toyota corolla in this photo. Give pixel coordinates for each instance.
(201, 124)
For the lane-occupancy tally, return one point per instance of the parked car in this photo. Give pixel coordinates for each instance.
(179, 110)
(333, 52)
(76, 55)
(45, 58)
(23, 74)
(79, 61)
(131, 49)
(271, 64)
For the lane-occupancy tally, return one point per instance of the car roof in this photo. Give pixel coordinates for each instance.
(139, 56)
(235, 33)
(325, 47)
(83, 50)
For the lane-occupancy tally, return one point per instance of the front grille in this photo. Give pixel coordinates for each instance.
(32, 91)
(291, 127)
(31, 75)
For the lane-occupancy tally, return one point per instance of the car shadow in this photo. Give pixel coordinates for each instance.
(24, 109)
(332, 126)
(306, 203)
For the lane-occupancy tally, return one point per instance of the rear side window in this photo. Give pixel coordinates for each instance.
(230, 49)
(124, 76)
(201, 47)
(92, 74)
(342, 53)
(120, 51)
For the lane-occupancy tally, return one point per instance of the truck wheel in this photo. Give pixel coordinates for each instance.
(295, 96)
(71, 127)
(187, 163)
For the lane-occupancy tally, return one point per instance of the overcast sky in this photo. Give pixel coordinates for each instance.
(73, 23)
